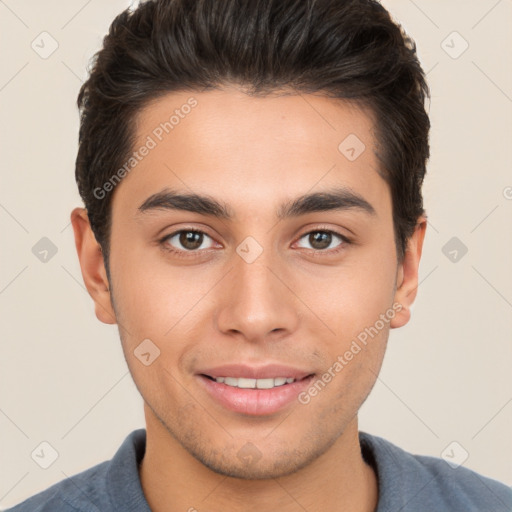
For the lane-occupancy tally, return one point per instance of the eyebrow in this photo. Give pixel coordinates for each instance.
(337, 199)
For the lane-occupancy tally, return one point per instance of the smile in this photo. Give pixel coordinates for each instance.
(245, 383)
(254, 396)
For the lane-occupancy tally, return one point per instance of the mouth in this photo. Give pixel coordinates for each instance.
(254, 396)
(247, 383)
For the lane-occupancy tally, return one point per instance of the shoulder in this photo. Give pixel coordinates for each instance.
(108, 486)
(410, 482)
(82, 492)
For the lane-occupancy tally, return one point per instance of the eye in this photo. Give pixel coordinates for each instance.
(186, 240)
(321, 240)
(189, 242)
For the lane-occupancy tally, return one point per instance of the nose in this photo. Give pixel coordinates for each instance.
(257, 301)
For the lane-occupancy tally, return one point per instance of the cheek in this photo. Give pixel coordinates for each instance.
(356, 297)
(356, 304)
(154, 299)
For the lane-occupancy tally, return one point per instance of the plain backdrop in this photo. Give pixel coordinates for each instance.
(445, 386)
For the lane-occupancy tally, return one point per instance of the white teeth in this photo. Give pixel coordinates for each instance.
(265, 383)
(245, 383)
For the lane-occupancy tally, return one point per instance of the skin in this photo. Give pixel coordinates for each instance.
(288, 306)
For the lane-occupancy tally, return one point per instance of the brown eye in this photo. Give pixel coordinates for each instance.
(321, 240)
(186, 240)
(190, 240)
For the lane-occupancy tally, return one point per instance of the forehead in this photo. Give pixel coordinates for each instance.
(245, 149)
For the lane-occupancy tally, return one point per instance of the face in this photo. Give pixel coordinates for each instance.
(259, 285)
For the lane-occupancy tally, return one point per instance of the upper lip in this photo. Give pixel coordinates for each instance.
(255, 372)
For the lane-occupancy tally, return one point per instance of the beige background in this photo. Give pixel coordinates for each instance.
(446, 376)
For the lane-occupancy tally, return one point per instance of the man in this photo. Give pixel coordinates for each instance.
(251, 173)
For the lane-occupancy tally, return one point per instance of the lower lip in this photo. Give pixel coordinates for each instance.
(255, 402)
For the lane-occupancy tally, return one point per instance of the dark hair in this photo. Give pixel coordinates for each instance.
(347, 49)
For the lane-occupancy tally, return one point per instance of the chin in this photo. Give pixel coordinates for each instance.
(264, 468)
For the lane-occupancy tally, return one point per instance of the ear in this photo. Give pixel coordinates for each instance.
(93, 266)
(407, 274)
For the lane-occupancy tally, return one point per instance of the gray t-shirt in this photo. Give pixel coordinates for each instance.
(407, 483)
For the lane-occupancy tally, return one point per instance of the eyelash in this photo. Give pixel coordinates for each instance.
(315, 252)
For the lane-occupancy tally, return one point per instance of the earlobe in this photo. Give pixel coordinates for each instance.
(407, 275)
(92, 265)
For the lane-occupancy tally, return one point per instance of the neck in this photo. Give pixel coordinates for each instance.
(174, 481)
